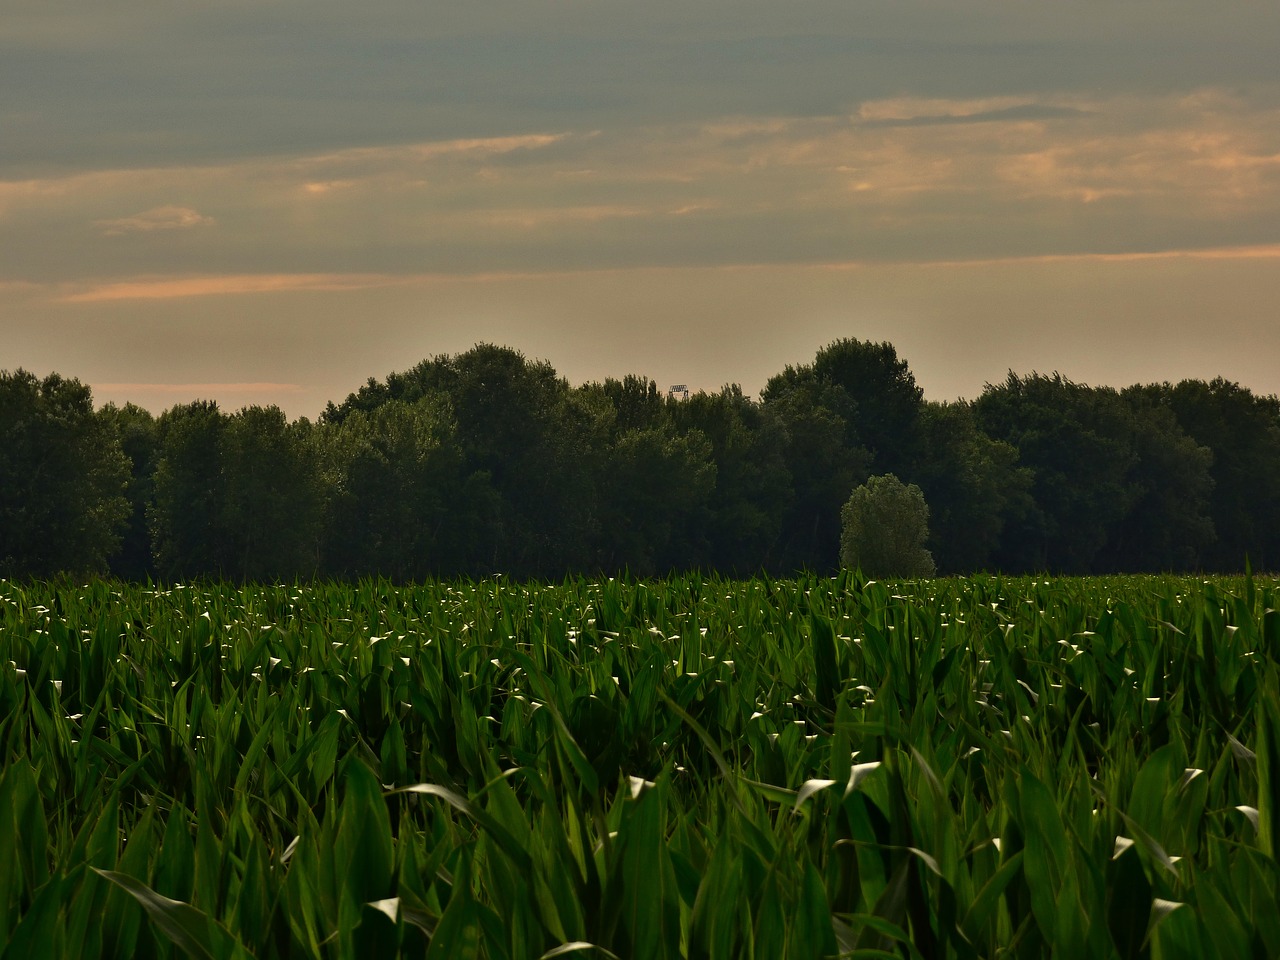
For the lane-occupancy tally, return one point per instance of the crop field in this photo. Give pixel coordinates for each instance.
(692, 767)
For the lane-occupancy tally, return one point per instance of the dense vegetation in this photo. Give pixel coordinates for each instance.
(487, 462)
(692, 767)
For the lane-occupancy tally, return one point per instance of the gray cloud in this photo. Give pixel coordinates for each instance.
(167, 217)
(1024, 111)
(86, 85)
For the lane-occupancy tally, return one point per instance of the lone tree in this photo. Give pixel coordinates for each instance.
(885, 524)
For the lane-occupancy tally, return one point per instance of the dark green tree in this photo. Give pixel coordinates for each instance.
(654, 499)
(1242, 432)
(140, 440)
(974, 486)
(517, 422)
(63, 477)
(400, 503)
(825, 459)
(636, 401)
(188, 529)
(887, 401)
(1109, 477)
(1168, 525)
(752, 492)
(271, 505)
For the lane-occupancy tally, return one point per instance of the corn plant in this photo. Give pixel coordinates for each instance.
(693, 767)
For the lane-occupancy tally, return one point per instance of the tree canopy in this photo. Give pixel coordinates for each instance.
(489, 462)
(884, 528)
(63, 477)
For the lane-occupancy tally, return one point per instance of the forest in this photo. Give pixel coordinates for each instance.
(488, 462)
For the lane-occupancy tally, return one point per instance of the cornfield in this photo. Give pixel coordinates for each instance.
(694, 767)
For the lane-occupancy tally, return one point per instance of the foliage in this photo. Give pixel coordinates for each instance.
(884, 527)
(62, 478)
(974, 486)
(826, 459)
(1242, 432)
(885, 396)
(139, 441)
(994, 767)
(488, 462)
(188, 535)
(1117, 484)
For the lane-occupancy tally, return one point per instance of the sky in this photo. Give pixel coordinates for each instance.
(270, 201)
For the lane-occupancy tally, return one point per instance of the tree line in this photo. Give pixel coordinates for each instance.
(488, 462)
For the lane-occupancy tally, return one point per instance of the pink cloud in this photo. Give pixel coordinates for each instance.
(171, 288)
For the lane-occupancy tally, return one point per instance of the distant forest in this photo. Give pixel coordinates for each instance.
(488, 462)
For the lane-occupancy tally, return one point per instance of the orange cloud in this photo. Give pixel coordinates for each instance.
(166, 289)
(1256, 252)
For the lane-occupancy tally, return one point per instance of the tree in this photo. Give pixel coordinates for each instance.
(399, 500)
(539, 443)
(974, 486)
(140, 440)
(1117, 484)
(886, 398)
(62, 478)
(825, 461)
(188, 534)
(1242, 432)
(884, 526)
(653, 500)
(752, 480)
(271, 510)
(1168, 525)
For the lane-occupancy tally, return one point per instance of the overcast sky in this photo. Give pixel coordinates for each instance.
(268, 201)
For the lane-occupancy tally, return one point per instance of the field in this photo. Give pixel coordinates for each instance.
(693, 768)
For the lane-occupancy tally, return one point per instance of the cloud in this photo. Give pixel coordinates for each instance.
(157, 218)
(1255, 252)
(175, 288)
(1017, 112)
(887, 181)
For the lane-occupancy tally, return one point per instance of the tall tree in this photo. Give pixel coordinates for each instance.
(188, 530)
(400, 502)
(63, 477)
(825, 460)
(516, 421)
(974, 486)
(1242, 430)
(654, 499)
(1168, 525)
(886, 398)
(140, 440)
(1103, 468)
(271, 510)
(752, 481)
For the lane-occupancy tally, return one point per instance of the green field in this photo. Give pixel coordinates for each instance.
(694, 767)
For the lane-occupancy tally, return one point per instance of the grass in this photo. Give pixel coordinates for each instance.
(692, 768)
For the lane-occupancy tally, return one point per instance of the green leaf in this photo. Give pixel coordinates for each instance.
(509, 845)
(1130, 904)
(574, 947)
(1268, 720)
(826, 669)
(188, 928)
(983, 907)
